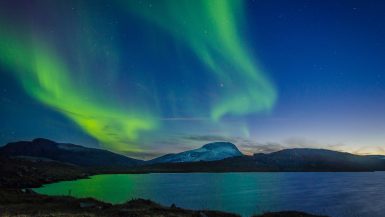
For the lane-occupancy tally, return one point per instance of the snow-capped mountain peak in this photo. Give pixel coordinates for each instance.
(209, 152)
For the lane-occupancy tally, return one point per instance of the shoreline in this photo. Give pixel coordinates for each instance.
(18, 176)
(25, 173)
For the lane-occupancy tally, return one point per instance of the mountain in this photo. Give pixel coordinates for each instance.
(209, 152)
(306, 159)
(288, 160)
(67, 153)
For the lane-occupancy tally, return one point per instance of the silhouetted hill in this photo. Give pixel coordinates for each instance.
(305, 159)
(68, 153)
(29, 172)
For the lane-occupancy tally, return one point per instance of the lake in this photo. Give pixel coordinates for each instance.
(333, 194)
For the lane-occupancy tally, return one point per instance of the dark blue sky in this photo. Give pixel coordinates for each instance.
(150, 77)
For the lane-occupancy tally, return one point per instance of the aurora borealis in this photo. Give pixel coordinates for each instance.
(212, 30)
(146, 77)
(47, 79)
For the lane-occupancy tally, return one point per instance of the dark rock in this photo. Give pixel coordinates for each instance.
(87, 204)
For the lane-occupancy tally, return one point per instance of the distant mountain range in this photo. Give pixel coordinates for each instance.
(212, 157)
(289, 160)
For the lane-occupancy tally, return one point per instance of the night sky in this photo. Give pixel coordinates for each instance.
(144, 77)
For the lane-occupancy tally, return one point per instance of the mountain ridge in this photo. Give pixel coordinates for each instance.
(68, 153)
(212, 157)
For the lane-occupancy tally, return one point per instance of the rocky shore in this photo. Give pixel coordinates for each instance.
(17, 202)
(25, 202)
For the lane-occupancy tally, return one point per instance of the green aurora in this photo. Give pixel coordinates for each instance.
(47, 79)
(212, 30)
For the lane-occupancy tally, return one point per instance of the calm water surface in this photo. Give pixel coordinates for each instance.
(334, 194)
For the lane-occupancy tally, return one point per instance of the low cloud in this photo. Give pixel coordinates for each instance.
(210, 138)
(260, 148)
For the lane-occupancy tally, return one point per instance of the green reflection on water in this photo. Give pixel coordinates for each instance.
(115, 188)
(242, 193)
